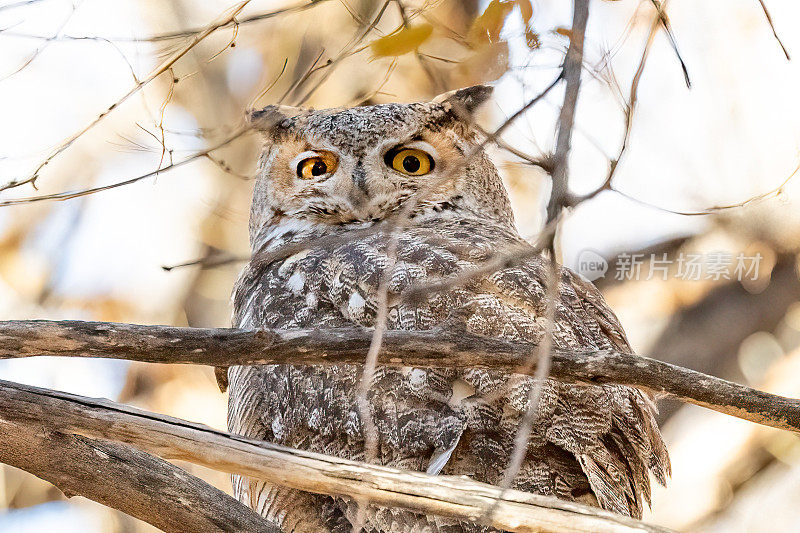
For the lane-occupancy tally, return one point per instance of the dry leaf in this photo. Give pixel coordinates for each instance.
(564, 31)
(526, 10)
(488, 25)
(532, 39)
(404, 41)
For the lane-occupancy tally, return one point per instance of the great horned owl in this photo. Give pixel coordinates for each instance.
(328, 172)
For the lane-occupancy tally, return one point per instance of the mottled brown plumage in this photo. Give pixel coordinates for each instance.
(595, 444)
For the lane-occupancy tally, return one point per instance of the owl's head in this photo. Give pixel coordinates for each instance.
(359, 165)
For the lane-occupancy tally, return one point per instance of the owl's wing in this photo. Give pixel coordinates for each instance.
(598, 441)
(606, 435)
(609, 430)
(314, 407)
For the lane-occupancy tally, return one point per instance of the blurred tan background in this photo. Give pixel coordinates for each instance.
(734, 136)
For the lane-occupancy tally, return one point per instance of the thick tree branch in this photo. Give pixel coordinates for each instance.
(80, 418)
(116, 475)
(432, 348)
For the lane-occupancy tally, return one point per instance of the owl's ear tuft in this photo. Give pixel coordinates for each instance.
(464, 102)
(273, 119)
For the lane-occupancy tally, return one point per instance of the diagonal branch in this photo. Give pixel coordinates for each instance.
(665, 23)
(31, 408)
(430, 348)
(542, 356)
(116, 475)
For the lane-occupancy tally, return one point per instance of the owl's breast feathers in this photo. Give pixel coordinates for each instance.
(588, 441)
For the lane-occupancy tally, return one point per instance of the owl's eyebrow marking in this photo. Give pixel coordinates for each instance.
(416, 136)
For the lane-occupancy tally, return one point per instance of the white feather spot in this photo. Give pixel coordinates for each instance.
(356, 303)
(314, 419)
(246, 320)
(312, 300)
(277, 427)
(417, 378)
(353, 424)
(296, 282)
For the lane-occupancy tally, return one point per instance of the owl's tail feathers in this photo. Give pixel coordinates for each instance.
(619, 470)
(660, 465)
(293, 511)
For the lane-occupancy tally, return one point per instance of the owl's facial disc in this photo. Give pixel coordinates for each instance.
(363, 164)
(334, 185)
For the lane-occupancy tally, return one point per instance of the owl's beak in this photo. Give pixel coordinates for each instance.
(359, 192)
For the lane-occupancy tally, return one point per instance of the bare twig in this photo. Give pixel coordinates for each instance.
(31, 407)
(312, 68)
(180, 34)
(430, 348)
(269, 86)
(371, 362)
(772, 193)
(572, 70)
(224, 20)
(42, 47)
(573, 67)
(772, 27)
(348, 50)
(22, 3)
(434, 80)
(371, 437)
(226, 168)
(68, 195)
(630, 108)
(208, 262)
(389, 71)
(665, 23)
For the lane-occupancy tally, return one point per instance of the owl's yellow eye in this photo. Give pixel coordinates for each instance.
(314, 167)
(410, 161)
